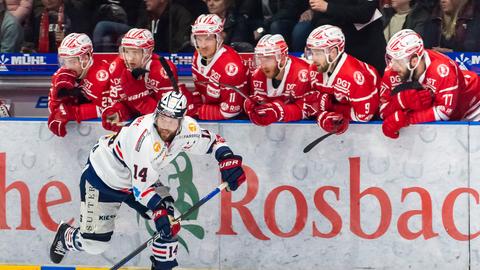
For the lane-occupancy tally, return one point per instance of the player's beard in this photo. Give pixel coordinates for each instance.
(322, 68)
(166, 135)
(271, 73)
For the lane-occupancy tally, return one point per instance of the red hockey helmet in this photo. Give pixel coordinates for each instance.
(270, 45)
(138, 38)
(403, 45)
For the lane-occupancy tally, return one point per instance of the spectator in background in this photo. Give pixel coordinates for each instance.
(170, 24)
(20, 9)
(360, 23)
(404, 14)
(235, 28)
(271, 16)
(48, 25)
(454, 26)
(195, 7)
(78, 11)
(11, 32)
(302, 28)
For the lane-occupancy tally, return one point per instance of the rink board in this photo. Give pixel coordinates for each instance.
(359, 200)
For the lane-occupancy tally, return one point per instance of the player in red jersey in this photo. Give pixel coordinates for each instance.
(436, 88)
(79, 88)
(345, 88)
(278, 84)
(138, 79)
(214, 66)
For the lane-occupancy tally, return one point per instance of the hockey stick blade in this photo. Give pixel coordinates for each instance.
(316, 141)
(134, 253)
(169, 72)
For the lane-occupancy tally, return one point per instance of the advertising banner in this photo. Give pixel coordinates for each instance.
(356, 201)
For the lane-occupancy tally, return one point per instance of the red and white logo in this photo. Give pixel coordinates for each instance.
(303, 75)
(231, 69)
(102, 75)
(443, 70)
(358, 77)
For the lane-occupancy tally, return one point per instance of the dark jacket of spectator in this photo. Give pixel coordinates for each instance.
(367, 44)
(172, 30)
(236, 28)
(467, 30)
(415, 20)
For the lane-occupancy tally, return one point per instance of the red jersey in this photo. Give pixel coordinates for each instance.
(353, 86)
(456, 92)
(140, 96)
(290, 91)
(94, 87)
(220, 102)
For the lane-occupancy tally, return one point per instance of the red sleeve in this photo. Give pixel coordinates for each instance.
(232, 73)
(365, 98)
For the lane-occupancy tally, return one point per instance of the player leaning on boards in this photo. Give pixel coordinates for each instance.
(125, 168)
(344, 88)
(278, 84)
(79, 89)
(213, 63)
(437, 89)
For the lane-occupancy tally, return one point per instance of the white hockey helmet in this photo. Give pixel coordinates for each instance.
(172, 104)
(403, 45)
(326, 37)
(138, 38)
(270, 45)
(76, 45)
(207, 24)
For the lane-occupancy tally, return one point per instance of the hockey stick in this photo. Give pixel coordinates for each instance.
(316, 141)
(205, 199)
(169, 72)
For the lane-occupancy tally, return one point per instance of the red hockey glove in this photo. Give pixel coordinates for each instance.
(58, 119)
(393, 123)
(113, 116)
(316, 102)
(266, 114)
(63, 80)
(408, 99)
(333, 122)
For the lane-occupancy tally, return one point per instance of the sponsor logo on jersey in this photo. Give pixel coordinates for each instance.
(192, 127)
(257, 84)
(224, 106)
(112, 67)
(231, 69)
(215, 76)
(303, 75)
(156, 147)
(213, 92)
(140, 140)
(102, 75)
(443, 70)
(358, 77)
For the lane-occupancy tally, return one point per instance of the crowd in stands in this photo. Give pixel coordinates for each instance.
(40, 25)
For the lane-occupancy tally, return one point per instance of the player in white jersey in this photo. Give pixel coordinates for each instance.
(127, 165)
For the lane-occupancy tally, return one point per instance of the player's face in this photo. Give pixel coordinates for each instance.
(206, 45)
(133, 57)
(401, 67)
(167, 127)
(319, 58)
(268, 64)
(72, 63)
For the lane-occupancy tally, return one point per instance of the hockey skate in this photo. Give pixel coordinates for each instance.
(58, 247)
